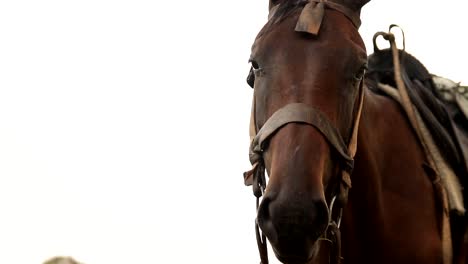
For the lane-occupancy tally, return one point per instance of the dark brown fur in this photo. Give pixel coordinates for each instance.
(393, 214)
(422, 91)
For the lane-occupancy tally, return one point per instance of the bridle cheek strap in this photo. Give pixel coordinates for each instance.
(352, 148)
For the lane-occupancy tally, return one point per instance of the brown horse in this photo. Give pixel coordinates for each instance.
(308, 64)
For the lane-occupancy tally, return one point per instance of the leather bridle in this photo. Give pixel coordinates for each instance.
(303, 113)
(309, 21)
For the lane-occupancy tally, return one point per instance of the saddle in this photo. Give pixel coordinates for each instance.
(442, 104)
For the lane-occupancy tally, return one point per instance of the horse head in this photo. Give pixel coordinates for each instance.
(308, 64)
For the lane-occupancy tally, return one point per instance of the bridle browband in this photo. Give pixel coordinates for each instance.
(306, 114)
(312, 14)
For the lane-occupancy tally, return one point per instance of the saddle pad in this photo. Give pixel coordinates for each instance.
(452, 92)
(455, 97)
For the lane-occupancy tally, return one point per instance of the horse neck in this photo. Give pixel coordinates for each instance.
(390, 188)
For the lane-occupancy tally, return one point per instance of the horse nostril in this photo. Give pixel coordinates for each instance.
(306, 221)
(263, 213)
(264, 219)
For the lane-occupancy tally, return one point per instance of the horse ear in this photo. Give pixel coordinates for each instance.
(355, 5)
(363, 3)
(272, 3)
(272, 7)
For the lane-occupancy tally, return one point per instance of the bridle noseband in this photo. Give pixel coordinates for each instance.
(306, 114)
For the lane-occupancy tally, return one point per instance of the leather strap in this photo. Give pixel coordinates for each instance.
(302, 113)
(261, 243)
(313, 12)
(345, 184)
(424, 138)
(299, 113)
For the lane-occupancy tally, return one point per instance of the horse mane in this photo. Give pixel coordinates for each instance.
(421, 89)
(382, 62)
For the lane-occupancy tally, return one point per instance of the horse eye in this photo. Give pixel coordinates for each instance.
(256, 69)
(362, 71)
(254, 63)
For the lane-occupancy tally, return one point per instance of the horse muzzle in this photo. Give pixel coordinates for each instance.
(293, 226)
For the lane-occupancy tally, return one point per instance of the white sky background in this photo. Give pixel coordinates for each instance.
(124, 124)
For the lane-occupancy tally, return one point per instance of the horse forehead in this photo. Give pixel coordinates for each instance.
(334, 37)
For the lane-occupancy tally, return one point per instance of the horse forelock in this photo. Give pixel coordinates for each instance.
(310, 20)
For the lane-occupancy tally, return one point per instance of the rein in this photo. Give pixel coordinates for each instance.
(424, 137)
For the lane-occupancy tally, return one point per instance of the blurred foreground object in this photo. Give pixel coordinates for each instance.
(62, 260)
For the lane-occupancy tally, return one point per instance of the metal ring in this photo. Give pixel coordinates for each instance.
(338, 221)
(330, 212)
